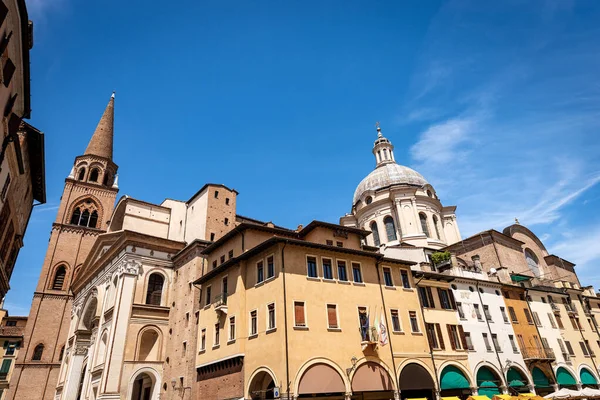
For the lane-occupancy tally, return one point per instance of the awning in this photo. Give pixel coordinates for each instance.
(479, 397)
(587, 378)
(564, 377)
(502, 397)
(415, 377)
(450, 398)
(453, 378)
(487, 383)
(515, 378)
(540, 380)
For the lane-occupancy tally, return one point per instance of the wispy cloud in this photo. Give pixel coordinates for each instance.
(16, 309)
(39, 10)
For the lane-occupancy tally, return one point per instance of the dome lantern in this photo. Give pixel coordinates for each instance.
(383, 149)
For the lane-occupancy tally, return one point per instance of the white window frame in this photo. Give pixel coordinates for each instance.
(250, 334)
(274, 317)
(383, 268)
(256, 269)
(362, 276)
(337, 317)
(208, 303)
(417, 318)
(314, 278)
(300, 327)
(217, 329)
(266, 267)
(323, 269)
(337, 271)
(229, 338)
(202, 345)
(399, 320)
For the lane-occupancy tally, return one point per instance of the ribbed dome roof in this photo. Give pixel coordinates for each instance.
(386, 175)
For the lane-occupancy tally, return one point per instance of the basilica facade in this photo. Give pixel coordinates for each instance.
(187, 299)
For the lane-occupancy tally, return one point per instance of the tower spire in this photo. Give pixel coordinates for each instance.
(101, 143)
(383, 149)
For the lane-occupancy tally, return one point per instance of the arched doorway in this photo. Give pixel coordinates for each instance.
(372, 381)
(542, 384)
(588, 379)
(565, 379)
(453, 382)
(320, 381)
(143, 386)
(416, 382)
(262, 386)
(517, 382)
(488, 382)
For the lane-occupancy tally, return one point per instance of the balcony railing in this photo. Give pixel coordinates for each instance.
(11, 331)
(369, 335)
(220, 303)
(536, 353)
(554, 307)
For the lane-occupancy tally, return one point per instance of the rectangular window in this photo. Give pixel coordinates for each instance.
(414, 324)
(387, 277)
(587, 344)
(513, 315)
(432, 336)
(311, 267)
(562, 349)
(569, 348)
(496, 343)
(342, 273)
(208, 299)
(486, 311)
(591, 325)
(455, 338)
(271, 319)
(299, 316)
(551, 319)
(5, 188)
(203, 340)
(217, 334)
(253, 323)
(5, 369)
(214, 264)
(10, 349)
(444, 299)
(528, 316)
(363, 321)
(224, 286)
(327, 269)
(332, 321)
(486, 340)
(222, 259)
(184, 349)
(356, 274)
(461, 312)
(329, 242)
(536, 318)
(260, 272)
(573, 323)
(478, 312)
(396, 321)
(504, 316)
(511, 338)
(426, 297)
(469, 341)
(270, 267)
(230, 255)
(339, 244)
(545, 344)
(231, 328)
(405, 280)
(559, 322)
(584, 349)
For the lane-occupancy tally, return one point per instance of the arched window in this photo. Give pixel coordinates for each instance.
(37, 352)
(149, 346)
(76, 216)
(85, 218)
(94, 175)
(532, 262)
(81, 174)
(93, 219)
(424, 226)
(390, 228)
(62, 354)
(102, 349)
(105, 181)
(375, 233)
(437, 228)
(154, 292)
(59, 278)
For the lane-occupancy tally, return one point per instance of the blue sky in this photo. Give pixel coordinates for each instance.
(497, 105)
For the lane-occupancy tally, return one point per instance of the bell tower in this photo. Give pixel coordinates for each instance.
(85, 208)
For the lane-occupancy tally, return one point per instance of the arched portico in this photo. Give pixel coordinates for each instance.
(144, 385)
(416, 382)
(489, 381)
(261, 384)
(454, 381)
(373, 378)
(324, 373)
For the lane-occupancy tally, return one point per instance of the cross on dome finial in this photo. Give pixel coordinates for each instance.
(378, 129)
(517, 221)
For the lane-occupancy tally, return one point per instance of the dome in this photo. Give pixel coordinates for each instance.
(386, 175)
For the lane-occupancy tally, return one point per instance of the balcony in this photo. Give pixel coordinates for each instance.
(220, 303)
(536, 353)
(587, 310)
(554, 307)
(11, 331)
(571, 309)
(368, 336)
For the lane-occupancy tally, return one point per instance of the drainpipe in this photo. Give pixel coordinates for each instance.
(287, 362)
(437, 381)
(396, 377)
(540, 335)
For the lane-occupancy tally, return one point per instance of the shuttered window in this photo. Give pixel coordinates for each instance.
(551, 319)
(396, 321)
(536, 318)
(504, 316)
(332, 316)
(528, 316)
(496, 343)
(5, 368)
(432, 336)
(584, 349)
(438, 329)
(299, 317)
(59, 278)
(469, 341)
(569, 348)
(513, 315)
(488, 346)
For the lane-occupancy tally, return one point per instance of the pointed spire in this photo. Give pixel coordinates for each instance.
(383, 149)
(101, 143)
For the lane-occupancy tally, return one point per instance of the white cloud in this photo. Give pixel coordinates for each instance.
(444, 142)
(16, 309)
(38, 10)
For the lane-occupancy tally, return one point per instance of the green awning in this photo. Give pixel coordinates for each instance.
(564, 377)
(453, 378)
(540, 380)
(587, 378)
(487, 383)
(515, 378)
(520, 278)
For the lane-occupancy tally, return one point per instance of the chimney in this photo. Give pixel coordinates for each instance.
(476, 261)
(299, 228)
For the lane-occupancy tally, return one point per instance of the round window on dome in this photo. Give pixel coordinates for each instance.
(369, 200)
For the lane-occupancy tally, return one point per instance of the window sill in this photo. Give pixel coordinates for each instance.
(232, 341)
(311, 278)
(270, 278)
(417, 333)
(344, 282)
(359, 284)
(271, 330)
(462, 318)
(329, 280)
(253, 336)
(398, 333)
(408, 289)
(334, 329)
(216, 346)
(389, 287)
(202, 351)
(300, 328)
(516, 351)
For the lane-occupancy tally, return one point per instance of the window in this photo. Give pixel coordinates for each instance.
(478, 312)
(574, 323)
(5, 369)
(37, 352)
(496, 343)
(260, 273)
(376, 240)
(569, 348)
(532, 262)
(513, 315)
(504, 316)
(184, 349)
(208, 295)
(270, 267)
(230, 255)
(414, 324)
(299, 316)
(329, 242)
(226, 201)
(231, 329)
(216, 194)
(342, 274)
(395, 321)
(226, 221)
(559, 322)
(222, 259)
(11, 323)
(216, 334)
(511, 338)
(405, 280)
(390, 228)
(311, 266)
(584, 349)
(369, 200)
(212, 236)
(432, 336)
(253, 323)
(424, 227)
(460, 310)
(81, 174)
(387, 277)
(11, 346)
(469, 341)
(327, 269)
(488, 346)
(363, 320)
(528, 316)
(436, 227)
(591, 325)
(214, 264)
(332, 320)
(94, 175)
(536, 318)
(59, 278)
(203, 340)
(224, 287)
(356, 274)
(562, 349)
(339, 244)
(154, 291)
(271, 319)
(486, 311)
(445, 299)
(456, 335)
(551, 319)
(5, 188)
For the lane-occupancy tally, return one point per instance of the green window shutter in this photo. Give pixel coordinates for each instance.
(5, 366)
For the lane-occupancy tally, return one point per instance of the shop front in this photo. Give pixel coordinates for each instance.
(416, 383)
(321, 381)
(488, 382)
(372, 382)
(565, 379)
(454, 383)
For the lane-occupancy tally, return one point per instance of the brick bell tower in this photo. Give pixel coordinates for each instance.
(85, 208)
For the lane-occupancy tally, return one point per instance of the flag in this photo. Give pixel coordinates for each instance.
(383, 335)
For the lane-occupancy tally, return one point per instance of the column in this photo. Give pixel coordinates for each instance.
(348, 396)
(396, 395)
(79, 352)
(531, 388)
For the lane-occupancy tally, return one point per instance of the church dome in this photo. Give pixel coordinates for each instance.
(387, 175)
